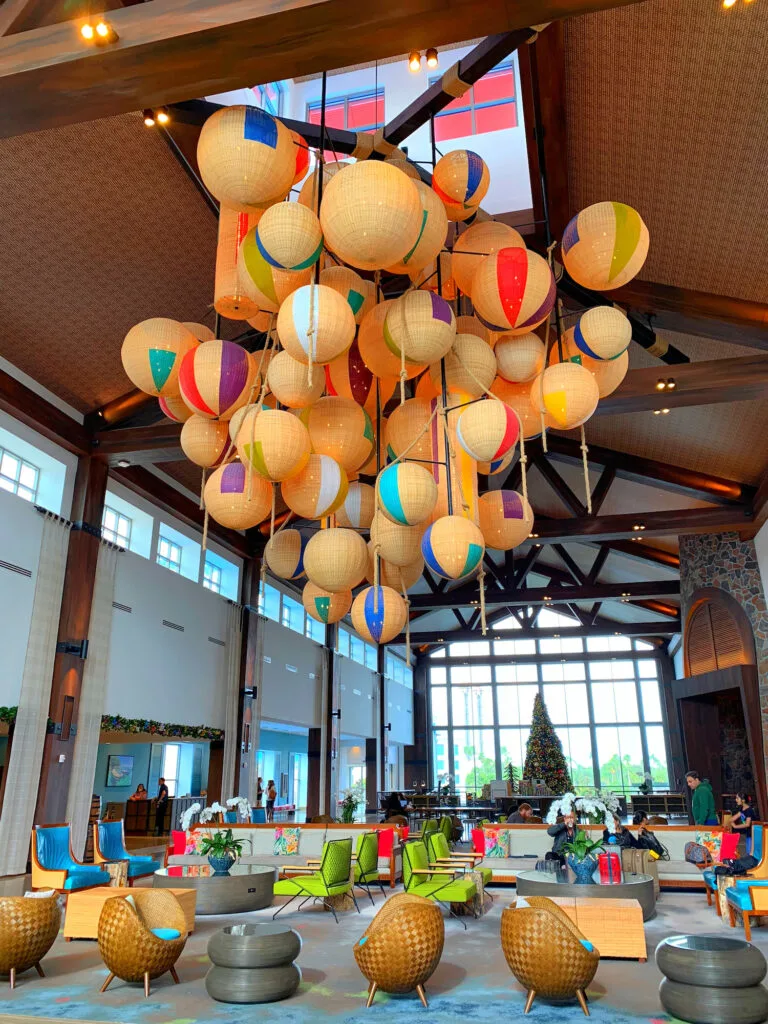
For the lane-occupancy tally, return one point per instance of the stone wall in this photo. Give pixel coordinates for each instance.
(735, 762)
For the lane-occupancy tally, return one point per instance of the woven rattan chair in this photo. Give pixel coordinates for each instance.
(546, 952)
(402, 946)
(28, 928)
(131, 939)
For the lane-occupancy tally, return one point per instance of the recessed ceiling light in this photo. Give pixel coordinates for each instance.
(123, 463)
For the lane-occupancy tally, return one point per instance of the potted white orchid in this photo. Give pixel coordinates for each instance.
(243, 807)
(592, 809)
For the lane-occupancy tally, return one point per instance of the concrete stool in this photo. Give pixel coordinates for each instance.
(253, 963)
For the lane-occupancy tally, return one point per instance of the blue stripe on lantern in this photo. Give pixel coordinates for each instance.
(581, 341)
(374, 618)
(474, 174)
(390, 495)
(429, 555)
(571, 234)
(260, 127)
(270, 260)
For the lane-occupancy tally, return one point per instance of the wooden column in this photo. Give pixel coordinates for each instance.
(371, 775)
(320, 745)
(79, 580)
(417, 768)
(250, 674)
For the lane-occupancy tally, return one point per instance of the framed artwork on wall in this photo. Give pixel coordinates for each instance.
(119, 771)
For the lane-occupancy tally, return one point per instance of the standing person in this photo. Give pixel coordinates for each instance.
(703, 803)
(563, 832)
(259, 791)
(521, 815)
(741, 822)
(160, 806)
(271, 797)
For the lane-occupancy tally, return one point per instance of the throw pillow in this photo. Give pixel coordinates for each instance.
(712, 841)
(286, 842)
(496, 842)
(43, 894)
(194, 839)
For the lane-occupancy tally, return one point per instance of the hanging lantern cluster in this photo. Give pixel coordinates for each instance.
(419, 395)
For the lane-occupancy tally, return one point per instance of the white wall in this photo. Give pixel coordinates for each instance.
(291, 676)
(399, 705)
(358, 687)
(57, 466)
(21, 531)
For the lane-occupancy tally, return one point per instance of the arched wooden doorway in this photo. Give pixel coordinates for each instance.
(717, 634)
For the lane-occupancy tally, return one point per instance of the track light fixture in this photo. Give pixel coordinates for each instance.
(159, 115)
(414, 61)
(99, 33)
(431, 57)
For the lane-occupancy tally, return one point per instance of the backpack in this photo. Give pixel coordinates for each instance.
(740, 866)
(650, 842)
(697, 854)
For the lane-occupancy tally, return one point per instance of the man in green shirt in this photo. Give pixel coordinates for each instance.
(703, 803)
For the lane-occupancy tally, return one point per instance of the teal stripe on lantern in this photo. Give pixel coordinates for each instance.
(389, 495)
(474, 554)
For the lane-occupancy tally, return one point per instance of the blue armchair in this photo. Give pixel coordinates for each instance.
(109, 844)
(759, 872)
(54, 865)
(258, 816)
(749, 897)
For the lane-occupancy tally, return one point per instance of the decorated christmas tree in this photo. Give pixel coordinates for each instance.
(544, 758)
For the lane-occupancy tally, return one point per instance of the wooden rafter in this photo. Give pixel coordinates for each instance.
(467, 596)
(654, 524)
(661, 627)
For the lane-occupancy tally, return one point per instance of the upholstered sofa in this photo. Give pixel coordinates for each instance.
(260, 844)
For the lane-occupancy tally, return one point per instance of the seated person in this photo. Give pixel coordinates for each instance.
(621, 836)
(394, 804)
(521, 815)
(140, 794)
(646, 840)
(563, 831)
(742, 821)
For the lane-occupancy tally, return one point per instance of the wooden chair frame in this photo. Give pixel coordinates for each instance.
(54, 878)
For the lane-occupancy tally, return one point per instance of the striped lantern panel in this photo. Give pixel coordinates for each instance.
(227, 500)
(273, 442)
(603, 332)
(453, 547)
(407, 493)
(432, 233)
(315, 320)
(569, 393)
(495, 466)
(480, 240)
(461, 178)
(152, 354)
(605, 245)
(317, 490)
(379, 614)
(513, 289)
(302, 156)
(323, 606)
(175, 408)
(216, 378)
(348, 377)
(340, 428)
(357, 510)
(288, 236)
(284, 554)
(422, 325)
(359, 293)
(487, 431)
(375, 353)
(266, 285)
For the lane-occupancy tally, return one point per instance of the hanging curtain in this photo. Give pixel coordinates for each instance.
(32, 717)
(232, 689)
(92, 698)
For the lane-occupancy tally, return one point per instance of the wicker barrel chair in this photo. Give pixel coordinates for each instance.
(28, 928)
(141, 936)
(546, 952)
(402, 946)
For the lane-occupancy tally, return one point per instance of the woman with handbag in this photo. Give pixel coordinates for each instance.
(742, 821)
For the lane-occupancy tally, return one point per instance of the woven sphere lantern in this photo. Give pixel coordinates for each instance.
(288, 236)
(175, 408)
(263, 321)
(227, 501)
(487, 431)
(284, 554)
(420, 324)
(375, 353)
(407, 493)
(287, 380)
(349, 377)
(273, 442)
(356, 512)
(513, 290)
(152, 354)
(431, 239)
(457, 212)
(308, 195)
(461, 178)
(236, 419)
(323, 606)
(400, 545)
(371, 468)
(351, 287)
(336, 559)
(340, 428)
(477, 241)
(379, 614)
(470, 367)
(405, 426)
(568, 392)
(453, 547)
(605, 246)
(496, 466)
(371, 215)
(216, 378)
(302, 157)
(427, 280)
(205, 442)
(315, 320)
(264, 284)
(200, 331)
(608, 373)
(518, 397)
(246, 157)
(395, 576)
(231, 298)
(399, 160)
(520, 358)
(603, 332)
(318, 490)
(506, 519)
(471, 325)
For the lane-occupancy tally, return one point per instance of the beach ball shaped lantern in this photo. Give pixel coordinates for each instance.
(227, 499)
(379, 614)
(421, 325)
(470, 367)
(400, 160)
(287, 380)
(431, 237)
(340, 428)
(216, 378)
(315, 321)
(405, 427)
(318, 490)
(487, 431)
(288, 236)
(518, 397)
(371, 215)
(308, 194)
(336, 559)
(322, 606)
(356, 511)
(284, 554)
(395, 576)
(302, 157)
(608, 373)
(605, 245)
(200, 331)
(496, 466)
(453, 547)
(568, 392)
(471, 325)
(152, 354)
(348, 377)
(273, 442)
(477, 241)
(175, 408)
(378, 458)
(246, 157)
(520, 358)
(506, 519)
(400, 545)
(359, 293)
(603, 332)
(513, 290)
(205, 442)
(374, 351)
(461, 178)
(236, 419)
(265, 285)
(407, 493)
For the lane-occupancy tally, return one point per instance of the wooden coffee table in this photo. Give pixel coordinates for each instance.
(614, 927)
(84, 908)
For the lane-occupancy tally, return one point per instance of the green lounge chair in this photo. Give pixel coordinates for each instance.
(332, 879)
(440, 856)
(367, 863)
(443, 885)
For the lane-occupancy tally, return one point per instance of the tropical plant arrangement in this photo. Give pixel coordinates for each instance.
(209, 813)
(581, 857)
(592, 810)
(243, 807)
(222, 850)
(349, 806)
(116, 723)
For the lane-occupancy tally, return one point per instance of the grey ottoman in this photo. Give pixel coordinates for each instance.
(253, 963)
(709, 979)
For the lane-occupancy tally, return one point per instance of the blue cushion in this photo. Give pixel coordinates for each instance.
(258, 816)
(141, 866)
(744, 883)
(111, 840)
(82, 877)
(53, 847)
(166, 933)
(710, 878)
(757, 842)
(363, 940)
(740, 898)
(587, 944)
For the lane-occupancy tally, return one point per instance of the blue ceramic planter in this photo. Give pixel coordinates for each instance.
(583, 870)
(221, 865)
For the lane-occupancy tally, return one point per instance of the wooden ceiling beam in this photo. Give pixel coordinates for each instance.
(36, 412)
(655, 524)
(156, 443)
(467, 595)
(634, 629)
(645, 553)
